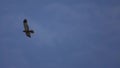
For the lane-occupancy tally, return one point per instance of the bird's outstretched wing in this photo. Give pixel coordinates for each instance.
(26, 27)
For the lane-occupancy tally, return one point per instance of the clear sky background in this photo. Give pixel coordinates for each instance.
(68, 34)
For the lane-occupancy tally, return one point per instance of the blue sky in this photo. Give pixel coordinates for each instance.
(68, 34)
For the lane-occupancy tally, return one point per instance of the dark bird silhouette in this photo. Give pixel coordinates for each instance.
(26, 28)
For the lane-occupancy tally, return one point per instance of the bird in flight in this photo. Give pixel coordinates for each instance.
(26, 28)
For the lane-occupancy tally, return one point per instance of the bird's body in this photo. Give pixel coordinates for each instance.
(26, 28)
